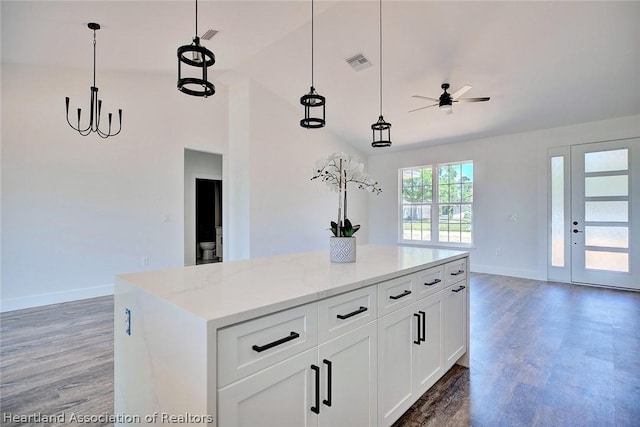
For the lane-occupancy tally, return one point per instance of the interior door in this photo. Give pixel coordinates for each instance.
(605, 213)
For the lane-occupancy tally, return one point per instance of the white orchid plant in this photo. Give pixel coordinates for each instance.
(336, 171)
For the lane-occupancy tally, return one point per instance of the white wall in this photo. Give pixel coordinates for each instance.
(510, 174)
(77, 210)
(197, 164)
(289, 212)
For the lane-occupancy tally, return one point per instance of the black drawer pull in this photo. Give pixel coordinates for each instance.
(404, 294)
(353, 313)
(260, 349)
(457, 290)
(327, 401)
(432, 283)
(316, 408)
(457, 272)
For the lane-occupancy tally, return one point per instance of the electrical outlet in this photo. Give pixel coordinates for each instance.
(127, 321)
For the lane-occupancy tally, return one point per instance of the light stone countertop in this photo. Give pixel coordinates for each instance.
(230, 292)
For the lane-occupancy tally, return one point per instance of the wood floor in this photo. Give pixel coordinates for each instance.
(543, 354)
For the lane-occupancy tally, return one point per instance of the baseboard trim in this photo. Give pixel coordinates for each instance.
(31, 301)
(501, 271)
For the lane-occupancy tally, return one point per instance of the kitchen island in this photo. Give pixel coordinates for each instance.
(291, 340)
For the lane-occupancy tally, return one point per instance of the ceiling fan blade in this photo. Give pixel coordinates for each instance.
(424, 97)
(473, 99)
(422, 108)
(457, 94)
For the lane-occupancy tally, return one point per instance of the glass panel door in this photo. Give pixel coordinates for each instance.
(604, 209)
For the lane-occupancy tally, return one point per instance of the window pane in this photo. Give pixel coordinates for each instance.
(425, 176)
(557, 211)
(612, 237)
(467, 172)
(606, 211)
(610, 261)
(407, 178)
(467, 192)
(616, 185)
(604, 161)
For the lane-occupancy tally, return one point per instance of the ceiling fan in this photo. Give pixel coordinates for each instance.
(446, 100)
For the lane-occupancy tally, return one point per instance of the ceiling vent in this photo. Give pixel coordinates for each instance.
(209, 34)
(359, 62)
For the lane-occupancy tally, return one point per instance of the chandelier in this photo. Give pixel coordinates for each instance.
(96, 104)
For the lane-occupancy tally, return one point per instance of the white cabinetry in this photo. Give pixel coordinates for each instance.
(333, 384)
(291, 341)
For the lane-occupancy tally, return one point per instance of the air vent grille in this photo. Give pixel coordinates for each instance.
(208, 35)
(359, 62)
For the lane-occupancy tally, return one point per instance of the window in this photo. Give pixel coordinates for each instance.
(438, 198)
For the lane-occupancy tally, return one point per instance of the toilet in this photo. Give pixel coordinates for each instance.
(207, 250)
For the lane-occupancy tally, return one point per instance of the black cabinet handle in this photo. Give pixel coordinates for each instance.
(404, 294)
(432, 283)
(353, 313)
(260, 349)
(423, 336)
(418, 334)
(458, 290)
(327, 401)
(457, 272)
(316, 408)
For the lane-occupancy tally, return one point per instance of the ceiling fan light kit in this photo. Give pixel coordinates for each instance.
(200, 59)
(95, 103)
(313, 103)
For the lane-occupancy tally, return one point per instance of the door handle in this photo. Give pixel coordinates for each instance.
(316, 408)
(327, 401)
(423, 337)
(261, 348)
(577, 231)
(418, 331)
(404, 294)
(353, 313)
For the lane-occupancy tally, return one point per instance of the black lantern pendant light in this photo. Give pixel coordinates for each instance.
(313, 102)
(381, 129)
(200, 58)
(96, 104)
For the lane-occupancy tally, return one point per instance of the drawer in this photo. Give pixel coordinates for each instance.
(455, 271)
(395, 293)
(345, 312)
(253, 345)
(429, 281)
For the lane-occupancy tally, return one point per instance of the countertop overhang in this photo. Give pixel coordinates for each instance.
(230, 292)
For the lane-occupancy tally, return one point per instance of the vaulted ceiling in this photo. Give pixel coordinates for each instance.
(544, 64)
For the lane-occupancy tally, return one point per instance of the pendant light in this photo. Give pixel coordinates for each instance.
(313, 102)
(200, 58)
(381, 129)
(95, 103)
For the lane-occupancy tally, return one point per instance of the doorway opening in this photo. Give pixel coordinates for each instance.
(208, 220)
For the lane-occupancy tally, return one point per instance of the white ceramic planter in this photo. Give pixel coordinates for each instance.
(342, 249)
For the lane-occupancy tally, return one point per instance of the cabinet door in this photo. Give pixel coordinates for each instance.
(428, 354)
(396, 336)
(455, 322)
(279, 396)
(349, 379)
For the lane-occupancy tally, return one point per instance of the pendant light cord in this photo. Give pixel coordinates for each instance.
(380, 58)
(196, 18)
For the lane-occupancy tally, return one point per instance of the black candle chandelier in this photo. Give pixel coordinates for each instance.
(200, 58)
(381, 129)
(313, 102)
(96, 104)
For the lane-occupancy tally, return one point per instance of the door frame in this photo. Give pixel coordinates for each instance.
(563, 273)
